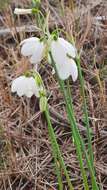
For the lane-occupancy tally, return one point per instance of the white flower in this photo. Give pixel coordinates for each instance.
(66, 69)
(19, 11)
(63, 53)
(25, 86)
(33, 48)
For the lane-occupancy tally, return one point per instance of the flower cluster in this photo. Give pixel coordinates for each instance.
(63, 54)
(62, 51)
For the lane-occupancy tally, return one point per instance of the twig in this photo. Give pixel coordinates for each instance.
(25, 28)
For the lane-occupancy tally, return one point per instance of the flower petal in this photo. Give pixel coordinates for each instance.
(65, 65)
(32, 39)
(38, 55)
(58, 52)
(34, 48)
(60, 49)
(29, 46)
(73, 69)
(63, 71)
(70, 49)
(19, 11)
(32, 87)
(18, 85)
(68, 68)
(25, 86)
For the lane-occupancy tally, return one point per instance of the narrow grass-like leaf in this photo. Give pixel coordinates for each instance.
(56, 150)
(76, 134)
(85, 111)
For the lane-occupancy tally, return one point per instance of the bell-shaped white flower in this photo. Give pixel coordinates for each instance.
(33, 48)
(66, 69)
(19, 11)
(62, 47)
(25, 86)
(63, 53)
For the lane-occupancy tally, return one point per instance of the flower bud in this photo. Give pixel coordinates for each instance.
(19, 11)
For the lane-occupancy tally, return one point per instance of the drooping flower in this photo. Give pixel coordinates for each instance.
(25, 86)
(19, 11)
(63, 54)
(33, 48)
(66, 69)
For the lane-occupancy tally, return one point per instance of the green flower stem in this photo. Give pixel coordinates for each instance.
(75, 130)
(85, 112)
(69, 93)
(56, 150)
(57, 168)
(77, 144)
(76, 140)
(73, 122)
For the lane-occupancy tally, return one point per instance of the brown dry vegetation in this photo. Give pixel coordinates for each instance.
(26, 162)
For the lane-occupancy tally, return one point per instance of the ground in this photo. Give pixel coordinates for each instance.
(26, 161)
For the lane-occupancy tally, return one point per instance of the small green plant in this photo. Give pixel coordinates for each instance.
(63, 57)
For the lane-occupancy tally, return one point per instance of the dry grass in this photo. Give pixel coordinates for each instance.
(26, 162)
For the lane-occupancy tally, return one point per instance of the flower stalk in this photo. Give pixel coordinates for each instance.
(76, 134)
(56, 150)
(71, 118)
